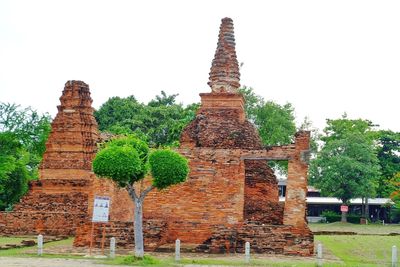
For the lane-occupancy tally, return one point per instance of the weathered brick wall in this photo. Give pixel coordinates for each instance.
(154, 233)
(213, 194)
(49, 207)
(296, 187)
(220, 128)
(261, 200)
(271, 239)
(54, 207)
(121, 205)
(48, 223)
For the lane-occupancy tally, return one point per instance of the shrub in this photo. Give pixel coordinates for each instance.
(167, 168)
(332, 216)
(121, 163)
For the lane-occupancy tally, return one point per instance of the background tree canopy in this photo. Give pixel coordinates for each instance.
(275, 123)
(23, 135)
(369, 160)
(347, 166)
(160, 122)
(388, 152)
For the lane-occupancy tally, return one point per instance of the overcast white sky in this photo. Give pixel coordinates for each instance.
(324, 57)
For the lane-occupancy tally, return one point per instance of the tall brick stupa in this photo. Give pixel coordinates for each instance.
(71, 145)
(231, 195)
(61, 200)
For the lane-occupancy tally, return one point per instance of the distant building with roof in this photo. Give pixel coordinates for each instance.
(379, 208)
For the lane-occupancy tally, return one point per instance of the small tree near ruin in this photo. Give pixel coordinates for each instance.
(127, 160)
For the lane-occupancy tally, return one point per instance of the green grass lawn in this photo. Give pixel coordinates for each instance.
(30, 251)
(377, 229)
(237, 261)
(360, 250)
(12, 240)
(349, 250)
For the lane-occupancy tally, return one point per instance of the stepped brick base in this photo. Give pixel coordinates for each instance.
(271, 239)
(62, 199)
(154, 233)
(59, 207)
(53, 207)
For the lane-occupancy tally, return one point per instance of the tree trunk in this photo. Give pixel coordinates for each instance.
(138, 218)
(363, 207)
(138, 227)
(366, 209)
(344, 217)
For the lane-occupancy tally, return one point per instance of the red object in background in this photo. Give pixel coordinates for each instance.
(344, 208)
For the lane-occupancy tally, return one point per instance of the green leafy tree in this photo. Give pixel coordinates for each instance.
(347, 166)
(23, 133)
(30, 128)
(127, 160)
(395, 196)
(160, 122)
(13, 170)
(388, 151)
(340, 128)
(275, 123)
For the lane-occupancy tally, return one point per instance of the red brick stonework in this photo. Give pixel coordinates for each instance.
(61, 200)
(261, 194)
(224, 73)
(230, 197)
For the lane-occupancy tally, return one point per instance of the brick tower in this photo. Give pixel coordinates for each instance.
(61, 200)
(231, 195)
(71, 145)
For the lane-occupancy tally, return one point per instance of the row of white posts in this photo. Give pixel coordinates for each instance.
(319, 256)
(246, 251)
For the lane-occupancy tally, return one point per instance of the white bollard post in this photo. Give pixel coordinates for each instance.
(40, 244)
(112, 247)
(383, 222)
(247, 252)
(394, 256)
(319, 255)
(177, 250)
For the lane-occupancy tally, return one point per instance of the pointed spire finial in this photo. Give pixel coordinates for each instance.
(224, 74)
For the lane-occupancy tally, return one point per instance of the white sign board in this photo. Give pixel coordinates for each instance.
(101, 207)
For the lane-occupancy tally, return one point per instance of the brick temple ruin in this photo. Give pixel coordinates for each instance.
(62, 198)
(230, 197)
